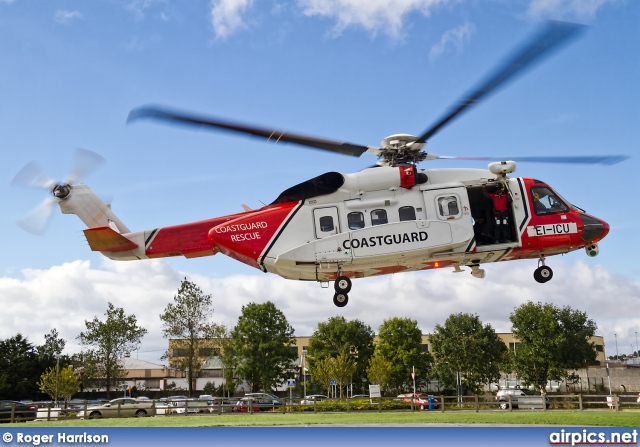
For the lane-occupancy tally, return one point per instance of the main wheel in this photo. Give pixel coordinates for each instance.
(543, 274)
(95, 415)
(340, 299)
(141, 413)
(342, 284)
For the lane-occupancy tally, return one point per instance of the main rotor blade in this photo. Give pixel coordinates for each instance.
(551, 37)
(577, 159)
(274, 135)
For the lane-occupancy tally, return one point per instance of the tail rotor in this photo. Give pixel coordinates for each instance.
(32, 176)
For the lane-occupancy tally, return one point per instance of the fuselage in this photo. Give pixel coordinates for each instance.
(384, 220)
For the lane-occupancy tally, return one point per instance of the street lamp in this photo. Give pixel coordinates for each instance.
(304, 373)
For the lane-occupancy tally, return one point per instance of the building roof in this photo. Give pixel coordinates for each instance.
(131, 363)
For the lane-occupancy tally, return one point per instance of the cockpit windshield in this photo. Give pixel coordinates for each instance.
(545, 201)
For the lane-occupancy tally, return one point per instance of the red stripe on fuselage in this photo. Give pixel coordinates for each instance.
(186, 239)
(246, 237)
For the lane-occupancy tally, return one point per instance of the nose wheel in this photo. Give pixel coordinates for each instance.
(543, 273)
(342, 287)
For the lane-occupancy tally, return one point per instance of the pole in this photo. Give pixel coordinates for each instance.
(617, 355)
(637, 350)
(57, 375)
(459, 387)
(413, 375)
(304, 373)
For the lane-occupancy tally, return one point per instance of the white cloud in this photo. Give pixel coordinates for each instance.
(374, 16)
(139, 8)
(227, 16)
(455, 38)
(65, 17)
(64, 296)
(559, 8)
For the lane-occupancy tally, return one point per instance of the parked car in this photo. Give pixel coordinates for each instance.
(310, 399)
(46, 409)
(21, 412)
(360, 396)
(122, 407)
(420, 399)
(502, 397)
(177, 401)
(242, 406)
(265, 400)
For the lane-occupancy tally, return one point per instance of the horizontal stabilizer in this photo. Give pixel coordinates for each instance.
(107, 239)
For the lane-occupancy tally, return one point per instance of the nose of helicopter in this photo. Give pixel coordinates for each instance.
(594, 229)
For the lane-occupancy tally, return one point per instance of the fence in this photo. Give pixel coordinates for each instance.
(187, 407)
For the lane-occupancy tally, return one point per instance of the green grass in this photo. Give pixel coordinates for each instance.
(563, 418)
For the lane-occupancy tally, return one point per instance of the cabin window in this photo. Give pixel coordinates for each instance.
(379, 217)
(546, 201)
(326, 224)
(448, 206)
(407, 213)
(355, 220)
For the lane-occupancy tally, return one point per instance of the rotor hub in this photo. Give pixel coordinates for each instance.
(401, 149)
(61, 190)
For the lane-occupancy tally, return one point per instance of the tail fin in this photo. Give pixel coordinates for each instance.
(82, 202)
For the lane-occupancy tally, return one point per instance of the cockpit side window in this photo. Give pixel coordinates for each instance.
(546, 201)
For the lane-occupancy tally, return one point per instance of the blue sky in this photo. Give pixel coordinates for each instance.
(354, 70)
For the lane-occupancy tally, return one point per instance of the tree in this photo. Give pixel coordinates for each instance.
(379, 370)
(229, 361)
(550, 341)
(59, 382)
(188, 319)
(339, 336)
(321, 371)
(53, 344)
(400, 343)
(262, 341)
(108, 341)
(342, 369)
(19, 368)
(467, 346)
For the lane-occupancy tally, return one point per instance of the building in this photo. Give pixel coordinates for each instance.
(211, 370)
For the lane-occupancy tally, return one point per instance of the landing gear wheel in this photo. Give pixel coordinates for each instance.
(340, 299)
(543, 274)
(342, 284)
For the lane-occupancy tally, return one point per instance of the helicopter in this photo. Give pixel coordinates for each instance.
(389, 218)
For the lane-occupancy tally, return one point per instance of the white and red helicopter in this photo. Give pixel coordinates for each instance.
(390, 218)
